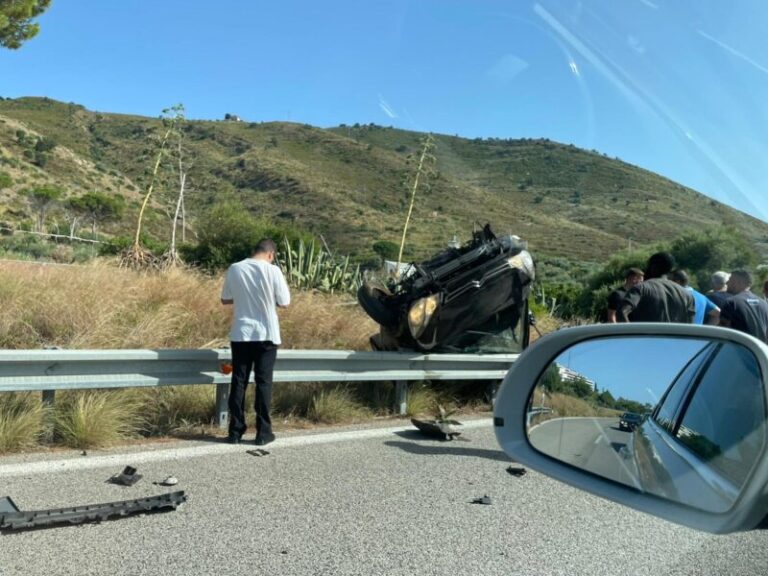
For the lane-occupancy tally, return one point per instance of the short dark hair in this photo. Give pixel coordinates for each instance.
(745, 275)
(680, 276)
(265, 246)
(633, 272)
(660, 263)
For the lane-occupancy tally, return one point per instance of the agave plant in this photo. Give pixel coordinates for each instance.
(310, 267)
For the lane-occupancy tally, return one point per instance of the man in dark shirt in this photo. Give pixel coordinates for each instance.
(745, 311)
(632, 278)
(658, 299)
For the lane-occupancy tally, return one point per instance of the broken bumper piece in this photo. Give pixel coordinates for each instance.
(11, 518)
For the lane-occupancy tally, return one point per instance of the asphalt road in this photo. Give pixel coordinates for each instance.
(594, 444)
(388, 502)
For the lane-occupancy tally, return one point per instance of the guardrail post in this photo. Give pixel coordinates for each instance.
(49, 397)
(222, 405)
(491, 391)
(401, 396)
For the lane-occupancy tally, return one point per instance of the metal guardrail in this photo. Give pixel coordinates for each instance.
(51, 370)
(535, 411)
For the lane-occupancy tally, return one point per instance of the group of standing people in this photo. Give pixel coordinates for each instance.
(662, 293)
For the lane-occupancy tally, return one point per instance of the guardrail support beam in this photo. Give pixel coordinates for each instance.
(401, 397)
(49, 397)
(222, 405)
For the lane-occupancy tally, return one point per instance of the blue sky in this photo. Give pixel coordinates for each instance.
(635, 368)
(680, 88)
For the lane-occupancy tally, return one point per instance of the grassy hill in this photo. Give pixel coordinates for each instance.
(348, 183)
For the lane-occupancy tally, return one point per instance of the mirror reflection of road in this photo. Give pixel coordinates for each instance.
(593, 444)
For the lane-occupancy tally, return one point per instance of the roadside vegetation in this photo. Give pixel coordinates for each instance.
(577, 294)
(564, 405)
(567, 403)
(552, 383)
(101, 306)
(569, 203)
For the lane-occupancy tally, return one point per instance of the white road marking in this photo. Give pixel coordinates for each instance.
(601, 434)
(120, 460)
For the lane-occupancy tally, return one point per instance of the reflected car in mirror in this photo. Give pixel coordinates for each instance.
(667, 418)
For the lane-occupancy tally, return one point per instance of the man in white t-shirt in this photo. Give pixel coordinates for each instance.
(256, 287)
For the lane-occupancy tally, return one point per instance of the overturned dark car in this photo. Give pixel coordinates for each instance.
(470, 298)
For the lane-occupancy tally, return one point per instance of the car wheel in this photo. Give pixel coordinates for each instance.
(373, 300)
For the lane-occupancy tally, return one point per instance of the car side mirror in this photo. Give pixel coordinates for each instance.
(669, 419)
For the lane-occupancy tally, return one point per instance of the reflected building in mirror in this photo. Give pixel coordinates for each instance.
(571, 376)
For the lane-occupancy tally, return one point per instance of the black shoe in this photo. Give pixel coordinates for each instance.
(233, 439)
(264, 439)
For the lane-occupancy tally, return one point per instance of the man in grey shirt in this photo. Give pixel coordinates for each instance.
(256, 287)
(658, 299)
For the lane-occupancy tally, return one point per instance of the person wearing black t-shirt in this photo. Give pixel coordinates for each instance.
(658, 299)
(632, 278)
(745, 311)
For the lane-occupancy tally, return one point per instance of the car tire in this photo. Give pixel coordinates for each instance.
(373, 300)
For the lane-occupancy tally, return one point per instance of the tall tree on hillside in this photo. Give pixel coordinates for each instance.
(41, 200)
(136, 256)
(182, 170)
(97, 207)
(16, 24)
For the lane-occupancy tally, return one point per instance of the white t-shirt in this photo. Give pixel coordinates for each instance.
(257, 288)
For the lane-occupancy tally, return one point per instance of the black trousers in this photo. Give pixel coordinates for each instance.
(259, 357)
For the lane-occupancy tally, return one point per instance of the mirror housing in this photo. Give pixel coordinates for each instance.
(511, 419)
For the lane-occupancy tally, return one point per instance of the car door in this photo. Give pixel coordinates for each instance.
(691, 446)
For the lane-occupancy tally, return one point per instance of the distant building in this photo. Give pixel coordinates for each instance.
(232, 118)
(568, 375)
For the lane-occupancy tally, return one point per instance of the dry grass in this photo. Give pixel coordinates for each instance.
(420, 400)
(564, 405)
(325, 403)
(323, 321)
(96, 418)
(102, 306)
(336, 405)
(292, 399)
(171, 409)
(22, 420)
(546, 324)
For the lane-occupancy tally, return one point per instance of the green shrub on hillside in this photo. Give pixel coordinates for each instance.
(5, 180)
(707, 251)
(227, 233)
(26, 246)
(386, 249)
(119, 243)
(700, 253)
